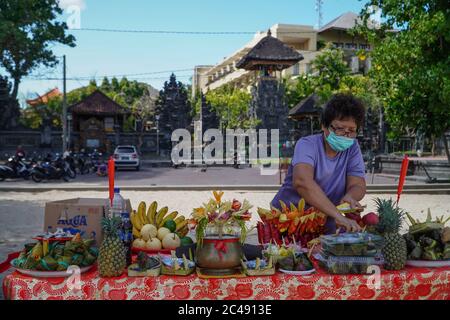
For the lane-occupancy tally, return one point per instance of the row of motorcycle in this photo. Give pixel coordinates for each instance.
(51, 166)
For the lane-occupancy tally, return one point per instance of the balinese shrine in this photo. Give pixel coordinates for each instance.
(96, 122)
(267, 57)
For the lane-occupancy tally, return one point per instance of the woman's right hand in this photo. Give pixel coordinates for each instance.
(349, 224)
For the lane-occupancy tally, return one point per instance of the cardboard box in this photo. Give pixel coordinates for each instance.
(82, 215)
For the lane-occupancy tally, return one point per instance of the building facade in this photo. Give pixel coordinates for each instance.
(303, 38)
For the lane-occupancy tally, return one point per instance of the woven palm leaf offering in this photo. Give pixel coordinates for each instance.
(258, 267)
(57, 255)
(428, 240)
(174, 266)
(145, 266)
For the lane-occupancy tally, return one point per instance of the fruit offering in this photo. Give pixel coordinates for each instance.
(428, 240)
(391, 219)
(112, 259)
(347, 265)
(156, 229)
(289, 223)
(352, 244)
(57, 256)
(368, 221)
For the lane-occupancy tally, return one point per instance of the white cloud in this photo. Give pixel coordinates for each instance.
(64, 4)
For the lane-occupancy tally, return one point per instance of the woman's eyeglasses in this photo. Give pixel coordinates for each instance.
(343, 132)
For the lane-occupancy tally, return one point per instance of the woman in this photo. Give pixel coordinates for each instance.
(327, 168)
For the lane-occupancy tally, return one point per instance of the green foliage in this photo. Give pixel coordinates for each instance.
(33, 116)
(411, 67)
(128, 94)
(330, 67)
(299, 89)
(232, 107)
(28, 30)
(331, 76)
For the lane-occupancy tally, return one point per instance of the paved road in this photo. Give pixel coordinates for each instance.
(183, 176)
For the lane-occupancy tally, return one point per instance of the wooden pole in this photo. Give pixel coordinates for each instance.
(64, 115)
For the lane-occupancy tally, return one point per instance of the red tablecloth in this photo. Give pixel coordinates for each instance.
(411, 283)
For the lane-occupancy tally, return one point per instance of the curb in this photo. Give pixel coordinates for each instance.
(371, 189)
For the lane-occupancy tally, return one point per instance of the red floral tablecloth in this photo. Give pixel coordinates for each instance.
(411, 283)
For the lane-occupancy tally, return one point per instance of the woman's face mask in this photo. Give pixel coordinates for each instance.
(339, 143)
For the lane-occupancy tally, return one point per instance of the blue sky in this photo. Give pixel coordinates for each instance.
(98, 53)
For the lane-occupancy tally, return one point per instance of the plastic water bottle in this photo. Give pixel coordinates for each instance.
(119, 209)
(118, 204)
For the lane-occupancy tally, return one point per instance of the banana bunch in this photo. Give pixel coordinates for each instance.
(156, 217)
(428, 225)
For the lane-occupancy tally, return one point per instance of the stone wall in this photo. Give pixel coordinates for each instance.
(31, 140)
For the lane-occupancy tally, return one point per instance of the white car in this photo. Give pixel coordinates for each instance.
(127, 157)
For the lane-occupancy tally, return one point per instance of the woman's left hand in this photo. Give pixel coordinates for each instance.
(353, 203)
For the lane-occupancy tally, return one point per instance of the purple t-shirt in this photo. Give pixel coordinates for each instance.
(329, 173)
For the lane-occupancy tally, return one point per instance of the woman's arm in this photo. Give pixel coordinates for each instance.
(355, 191)
(308, 189)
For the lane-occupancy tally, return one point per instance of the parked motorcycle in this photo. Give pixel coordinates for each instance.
(15, 168)
(59, 169)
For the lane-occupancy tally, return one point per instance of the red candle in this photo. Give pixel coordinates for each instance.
(401, 181)
(111, 168)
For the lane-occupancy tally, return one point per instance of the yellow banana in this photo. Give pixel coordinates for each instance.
(181, 225)
(170, 216)
(179, 219)
(160, 216)
(135, 220)
(183, 232)
(136, 233)
(141, 213)
(345, 208)
(152, 209)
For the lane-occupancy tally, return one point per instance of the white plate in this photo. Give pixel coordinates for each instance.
(50, 274)
(428, 263)
(298, 273)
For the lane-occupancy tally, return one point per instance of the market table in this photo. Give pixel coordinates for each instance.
(410, 283)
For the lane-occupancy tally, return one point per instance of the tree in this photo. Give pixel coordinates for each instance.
(299, 89)
(143, 110)
(27, 29)
(9, 107)
(331, 76)
(132, 92)
(329, 69)
(411, 65)
(33, 116)
(232, 106)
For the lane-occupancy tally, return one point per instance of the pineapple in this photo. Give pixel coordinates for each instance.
(391, 218)
(112, 256)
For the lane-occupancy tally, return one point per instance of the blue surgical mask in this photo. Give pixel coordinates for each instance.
(339, 143)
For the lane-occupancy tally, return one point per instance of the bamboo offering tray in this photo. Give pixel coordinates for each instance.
(177, 269)
(258, 271)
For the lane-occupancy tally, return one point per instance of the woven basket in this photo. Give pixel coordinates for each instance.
(172, 272)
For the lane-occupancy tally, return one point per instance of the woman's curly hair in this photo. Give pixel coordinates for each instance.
(343, 106)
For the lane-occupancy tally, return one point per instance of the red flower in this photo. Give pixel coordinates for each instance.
(236, 205)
